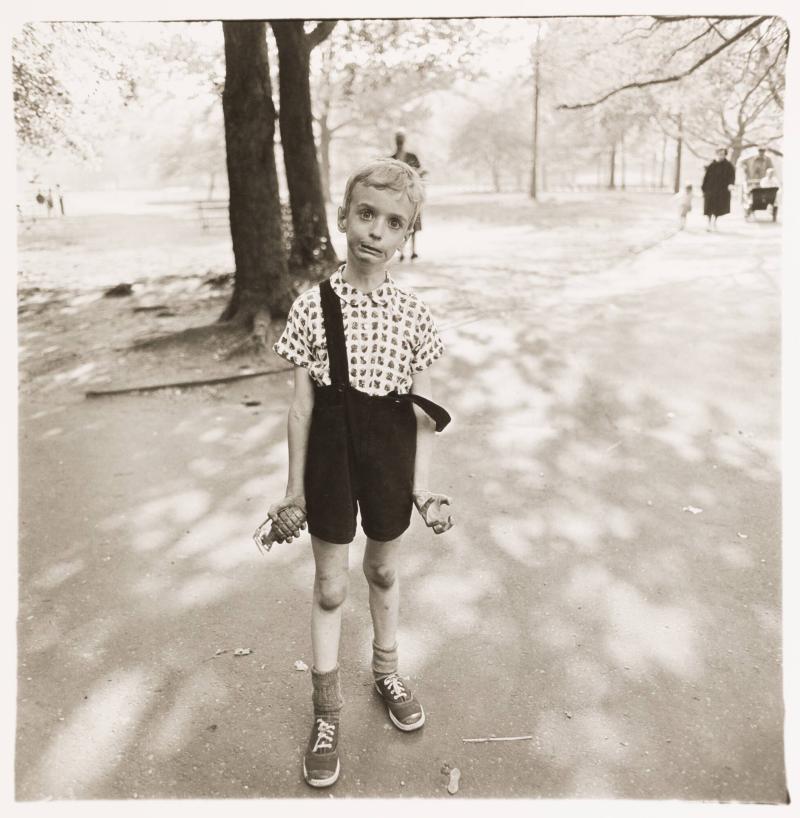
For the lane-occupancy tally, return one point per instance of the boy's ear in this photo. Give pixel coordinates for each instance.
(340, 219)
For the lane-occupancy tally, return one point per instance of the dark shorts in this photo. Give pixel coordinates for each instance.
(375, 474)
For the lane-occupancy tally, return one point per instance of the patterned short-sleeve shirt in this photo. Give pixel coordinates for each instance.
(389, 331)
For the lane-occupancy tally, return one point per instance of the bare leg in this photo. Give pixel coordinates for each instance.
(380, 569)
(330, 592)
(414, 245)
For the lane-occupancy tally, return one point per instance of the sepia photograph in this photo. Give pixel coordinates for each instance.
(399, 404)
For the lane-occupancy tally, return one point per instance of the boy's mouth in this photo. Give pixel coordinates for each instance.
(370, 249)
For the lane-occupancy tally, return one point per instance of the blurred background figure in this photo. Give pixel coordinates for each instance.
(756, 167)
(49, 201)
(683, 200)
(717, 183)
(770, 179)
(412, 160)
(60, 195)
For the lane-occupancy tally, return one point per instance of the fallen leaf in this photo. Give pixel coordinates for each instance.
(300, 665)
(242, 652)
(693, 509)
(743, 536)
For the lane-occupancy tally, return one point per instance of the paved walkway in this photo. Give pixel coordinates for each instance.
(612, 587)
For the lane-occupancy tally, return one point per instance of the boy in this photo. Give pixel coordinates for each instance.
(360, 432)
(684, 204)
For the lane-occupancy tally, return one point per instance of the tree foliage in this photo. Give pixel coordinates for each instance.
(65, 78)
(372, 76)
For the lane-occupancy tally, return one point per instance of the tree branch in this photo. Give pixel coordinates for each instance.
(665, 80)
(693, 40)
(320, 33)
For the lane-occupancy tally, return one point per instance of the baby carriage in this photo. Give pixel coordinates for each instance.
(755, 197)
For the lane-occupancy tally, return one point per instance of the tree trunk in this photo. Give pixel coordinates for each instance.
(535, 135)
(495, 171)
(312, 254)
(325, 157)
(612, 167)
(622, 162)
(663, 162)
(678, 151)
(262, 285)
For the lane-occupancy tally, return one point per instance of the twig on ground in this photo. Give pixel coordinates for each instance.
(101, 393)
(495, 738)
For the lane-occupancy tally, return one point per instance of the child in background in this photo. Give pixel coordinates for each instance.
(360, 433)
(683, 201)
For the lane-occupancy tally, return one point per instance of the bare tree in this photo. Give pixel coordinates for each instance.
(704, 46)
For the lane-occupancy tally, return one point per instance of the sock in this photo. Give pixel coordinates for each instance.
(384, 660)
(327, 693)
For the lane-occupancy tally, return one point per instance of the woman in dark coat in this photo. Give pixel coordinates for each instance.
(717, 181)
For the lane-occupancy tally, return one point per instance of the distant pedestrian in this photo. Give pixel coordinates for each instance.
(683, 201)
(717, 184)
(360, 435)
(60, 195)
(411, 159)
(756, 167)
(49, 201)
(40, 198)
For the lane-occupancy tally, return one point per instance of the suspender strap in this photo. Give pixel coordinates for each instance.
(334, 334)
(439, 415)
(337, 356)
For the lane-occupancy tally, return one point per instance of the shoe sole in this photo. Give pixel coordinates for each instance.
(327, 782)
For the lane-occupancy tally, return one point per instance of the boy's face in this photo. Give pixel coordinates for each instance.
(376, 224)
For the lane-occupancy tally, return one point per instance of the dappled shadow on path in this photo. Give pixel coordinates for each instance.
(579, 599)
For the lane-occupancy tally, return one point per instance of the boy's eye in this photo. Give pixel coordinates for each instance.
(395, 223)
(365, 213)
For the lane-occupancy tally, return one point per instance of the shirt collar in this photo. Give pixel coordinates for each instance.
(383, 295)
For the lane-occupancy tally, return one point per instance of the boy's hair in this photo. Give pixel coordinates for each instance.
(391, 174)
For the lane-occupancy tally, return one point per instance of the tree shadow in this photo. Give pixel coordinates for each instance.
(579, 599)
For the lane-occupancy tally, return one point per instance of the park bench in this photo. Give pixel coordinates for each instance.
(213, 213)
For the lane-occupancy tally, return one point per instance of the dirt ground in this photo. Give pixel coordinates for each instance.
(612, 587)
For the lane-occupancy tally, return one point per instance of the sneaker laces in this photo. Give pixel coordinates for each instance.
(325, 733)
(395, 686)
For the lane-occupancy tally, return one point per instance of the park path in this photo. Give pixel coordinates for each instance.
(612, 587)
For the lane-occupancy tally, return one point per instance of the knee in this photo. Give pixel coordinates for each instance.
(382, 576)
(331, 591)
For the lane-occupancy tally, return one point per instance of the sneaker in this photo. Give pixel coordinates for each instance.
(321, 761)
(405, 711)
(414, 255)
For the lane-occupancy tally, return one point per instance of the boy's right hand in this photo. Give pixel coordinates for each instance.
(288, 517)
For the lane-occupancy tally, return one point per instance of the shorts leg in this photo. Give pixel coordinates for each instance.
(330, 492)
(386, 471)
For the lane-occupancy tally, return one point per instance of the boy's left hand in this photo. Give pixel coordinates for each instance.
(430, 506)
